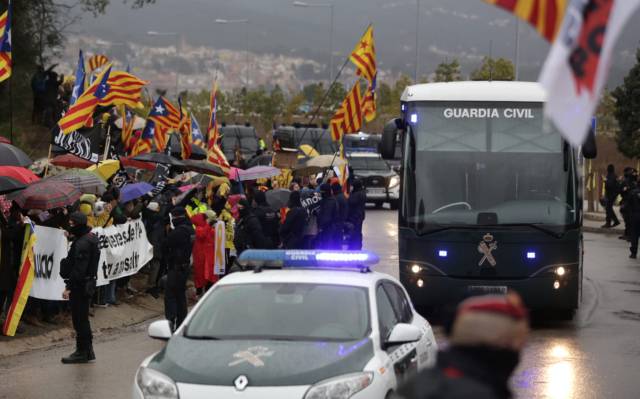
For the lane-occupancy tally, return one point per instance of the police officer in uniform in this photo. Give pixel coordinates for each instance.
(79, 271)
(634, 211)
(178, 244)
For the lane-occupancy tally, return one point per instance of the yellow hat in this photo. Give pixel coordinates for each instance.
(86, 209)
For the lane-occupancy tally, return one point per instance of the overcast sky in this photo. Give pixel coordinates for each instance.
(448, 28)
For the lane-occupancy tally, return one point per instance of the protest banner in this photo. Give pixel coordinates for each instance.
(50, 248)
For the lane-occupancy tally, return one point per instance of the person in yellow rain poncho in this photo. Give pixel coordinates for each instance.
(94, 211)
(229, 229)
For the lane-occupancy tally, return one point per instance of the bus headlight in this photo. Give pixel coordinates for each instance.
(155, 385)
(415, 269)
(560, 271)
(394, 181)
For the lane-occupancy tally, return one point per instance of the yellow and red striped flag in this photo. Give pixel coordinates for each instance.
(185, 132)
(97, 61)
(364, 56)
(23, 286)
(369, 102)
(125, 89)
(348, 118)
(6, 60)
(214, 154)
(82, 111)
(545, 15)
(128, 120)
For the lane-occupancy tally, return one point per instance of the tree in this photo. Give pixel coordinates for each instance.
(448, 71)
(494, 69)
(607, 123)
(627, 112)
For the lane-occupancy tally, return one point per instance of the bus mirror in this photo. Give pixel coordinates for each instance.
(389, 137)
(589, 147)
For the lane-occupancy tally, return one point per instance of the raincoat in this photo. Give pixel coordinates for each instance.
(202, 249)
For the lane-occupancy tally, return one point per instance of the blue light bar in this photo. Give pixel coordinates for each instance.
(443, 253)
(531, 255)
(307, 259)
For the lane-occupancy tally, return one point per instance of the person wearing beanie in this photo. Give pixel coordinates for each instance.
(292, 230)
(328, 214)
(179, 247)
(485, 341)
(79, 271)
(355, 216)
(248, 234)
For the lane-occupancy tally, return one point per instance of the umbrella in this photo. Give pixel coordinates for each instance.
(12, 155)
(4, 140)
(86, 181)
(71, 161)
(9, 185)
(204, 179)
(47, 194)
(18, 173)
(261, 160)
(187, 187)
(105, 169)
(126, 161)
(278, 198)
(138, 123)
(158, 157)
(325, 161)
(202, 167)
(258, 172)
(133, 191)
(197, 152)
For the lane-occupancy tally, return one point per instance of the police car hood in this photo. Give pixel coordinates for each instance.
(263, 362)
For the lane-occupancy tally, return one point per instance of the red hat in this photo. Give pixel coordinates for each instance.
(492, 320)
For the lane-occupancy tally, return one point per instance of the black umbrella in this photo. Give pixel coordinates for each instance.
(202, 167)
(158, 157)
(175, 147)
(9, 185)
(260, 160)
(197, 152)
(12, 155)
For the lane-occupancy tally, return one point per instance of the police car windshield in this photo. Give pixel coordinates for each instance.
(283, 311)
(368, 163)
(474, 158)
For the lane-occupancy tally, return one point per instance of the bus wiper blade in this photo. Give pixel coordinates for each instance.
(535, 226)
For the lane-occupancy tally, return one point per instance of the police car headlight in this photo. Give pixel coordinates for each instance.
(342, 387)
(155, 385)
(394, 181)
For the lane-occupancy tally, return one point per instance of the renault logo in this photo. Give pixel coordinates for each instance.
(241, 383)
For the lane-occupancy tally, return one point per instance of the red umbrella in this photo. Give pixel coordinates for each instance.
(70, 161)
(47, 194)
(127, 161)
(18, 173)
(4, 140)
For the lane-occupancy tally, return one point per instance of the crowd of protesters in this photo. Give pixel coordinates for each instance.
(180, 224)
(625, 189)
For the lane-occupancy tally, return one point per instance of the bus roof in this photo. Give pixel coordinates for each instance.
(475, 91)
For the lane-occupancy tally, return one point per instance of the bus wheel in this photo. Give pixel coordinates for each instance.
(379, 204)
(565, 314)
(394, 204)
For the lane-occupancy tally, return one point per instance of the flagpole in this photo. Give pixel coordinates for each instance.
(326, 95)
(107, 143)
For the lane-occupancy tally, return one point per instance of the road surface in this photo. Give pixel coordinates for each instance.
(595, 356)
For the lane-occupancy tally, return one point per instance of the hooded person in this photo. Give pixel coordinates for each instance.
(269, 219)
(79, 271)
(355, 215)
(248, 234)
(343, 212)
(292, 230)
(327, 216)
(203, 250)
(179, 247)
(485, 341)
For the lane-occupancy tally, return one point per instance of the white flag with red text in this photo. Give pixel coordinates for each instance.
(578, 64)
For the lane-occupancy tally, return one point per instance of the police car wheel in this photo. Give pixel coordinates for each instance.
(394, 204)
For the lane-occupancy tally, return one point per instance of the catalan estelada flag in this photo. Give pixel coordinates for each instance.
(212, 127)
(23, 286)
(125, 89)
(146, 140)
(369, 101)
(348, 118)
(97, 61)
(185, 132)
(128, 120)
(214, 154)
(78, 85)
(545, 15)
(82, 111)
(196, 133)
(166, 114)
(6, 62)
(364, 56)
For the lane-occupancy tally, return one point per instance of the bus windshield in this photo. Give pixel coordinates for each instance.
(470, 163)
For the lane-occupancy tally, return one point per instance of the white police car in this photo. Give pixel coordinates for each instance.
(319, 326)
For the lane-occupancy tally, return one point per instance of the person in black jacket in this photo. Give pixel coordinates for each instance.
(355, 217)
(327, 217)
(248, 234)
(269, 219)
(343, 212)
(79, 271)
(292, 230)
(11, 249)
(178, 244)
(611, 191)
(154, 225)
(485, 342)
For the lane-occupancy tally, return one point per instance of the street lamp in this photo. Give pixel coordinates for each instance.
(239, 21)
(155, 33)
(330, 7)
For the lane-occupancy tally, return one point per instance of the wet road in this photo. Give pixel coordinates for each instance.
(595, 356)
